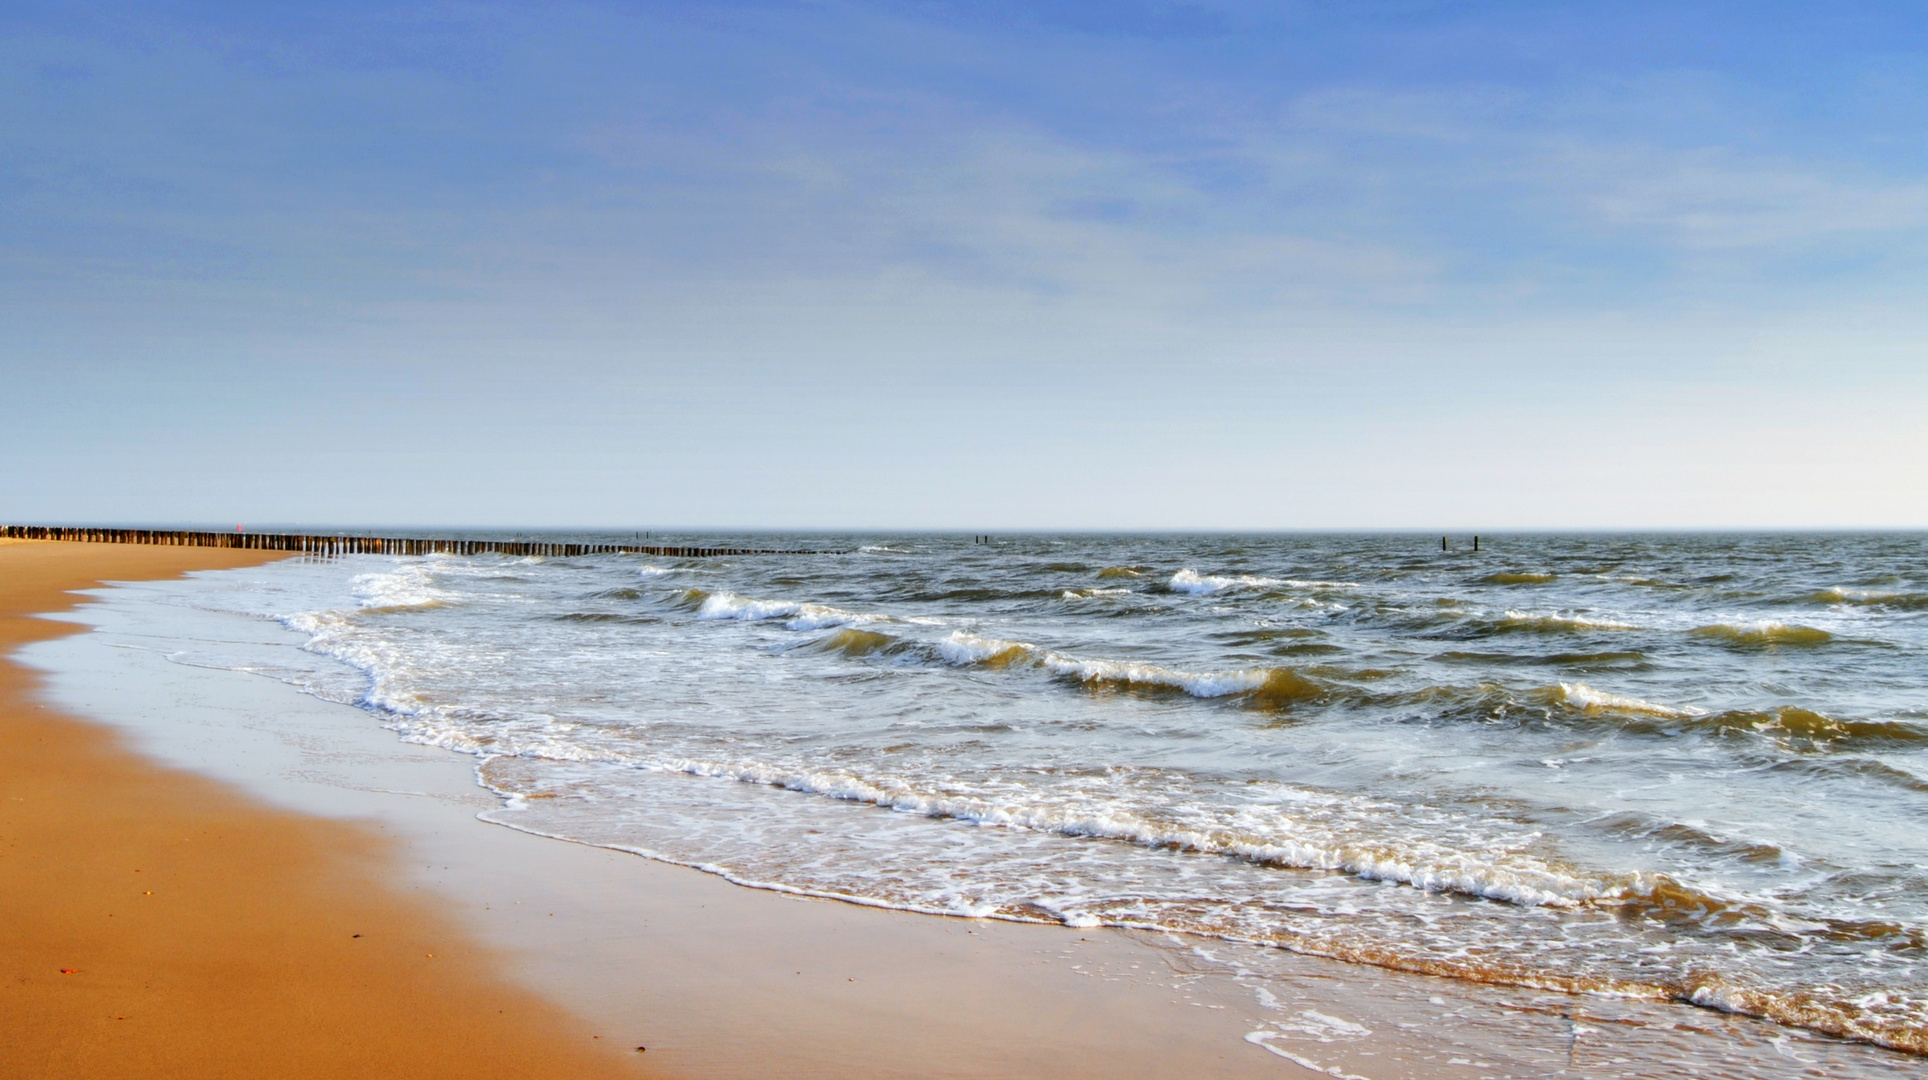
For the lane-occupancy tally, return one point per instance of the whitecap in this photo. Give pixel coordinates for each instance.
(1191, 581)
(1527, 620)
(1582, 696)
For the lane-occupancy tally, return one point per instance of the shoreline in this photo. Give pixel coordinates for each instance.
(716, 979)
(160, 924)
(721, 980)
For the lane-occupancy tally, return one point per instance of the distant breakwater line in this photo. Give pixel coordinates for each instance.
(317, 544)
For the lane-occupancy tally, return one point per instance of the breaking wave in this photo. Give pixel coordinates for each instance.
(1905, 601)
(1586, 698)
(1763, 632)
(1191, 581)
(795, 615)
(1339, 838)
(1527, 622)
(1264, 686)
(412, 586)
(1794, 724)
(854, 642)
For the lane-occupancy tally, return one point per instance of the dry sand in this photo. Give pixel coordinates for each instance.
(154, 923)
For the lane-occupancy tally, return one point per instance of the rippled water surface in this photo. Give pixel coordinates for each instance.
(1685, 767)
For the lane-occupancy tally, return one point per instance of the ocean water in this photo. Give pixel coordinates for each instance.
(1683, 768)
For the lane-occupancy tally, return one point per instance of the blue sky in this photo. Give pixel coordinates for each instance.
(974, 266)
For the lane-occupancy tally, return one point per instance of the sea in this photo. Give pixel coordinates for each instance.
(1681, 768)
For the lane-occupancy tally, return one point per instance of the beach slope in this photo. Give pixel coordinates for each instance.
(155, 923)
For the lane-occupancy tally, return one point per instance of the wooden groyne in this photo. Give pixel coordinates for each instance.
(316, 544)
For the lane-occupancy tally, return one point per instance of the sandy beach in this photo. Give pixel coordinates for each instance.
(249, 962)
(159, 924)
(964, 541)
(201, 846)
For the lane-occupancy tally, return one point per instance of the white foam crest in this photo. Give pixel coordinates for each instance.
(407, 586)
(799, 616)
(1191, 581)
(1764, 631)
(1572, 622)
(1515, 878)
(821, 616)
(1755, 627)
(311, 623)
(1841, 595)
(1582, 696)
(1086, 594)
(967, 648)
(1719, 994)
(1197, 684)
(728, 605)
(648, 571)
(336, 634)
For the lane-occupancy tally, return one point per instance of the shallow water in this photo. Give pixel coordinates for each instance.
(1690, 768)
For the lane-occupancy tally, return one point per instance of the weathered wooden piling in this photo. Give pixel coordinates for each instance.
(323, 544)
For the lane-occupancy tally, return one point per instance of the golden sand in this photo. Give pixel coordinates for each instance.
(154, 923)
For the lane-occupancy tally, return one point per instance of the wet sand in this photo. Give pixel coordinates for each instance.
(156, 923)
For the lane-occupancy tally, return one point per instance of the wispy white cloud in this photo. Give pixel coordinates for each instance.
(1717, 198)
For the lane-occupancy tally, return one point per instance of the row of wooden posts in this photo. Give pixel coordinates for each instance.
(368, 545)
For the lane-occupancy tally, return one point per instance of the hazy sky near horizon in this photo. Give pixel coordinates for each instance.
(973, 266)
